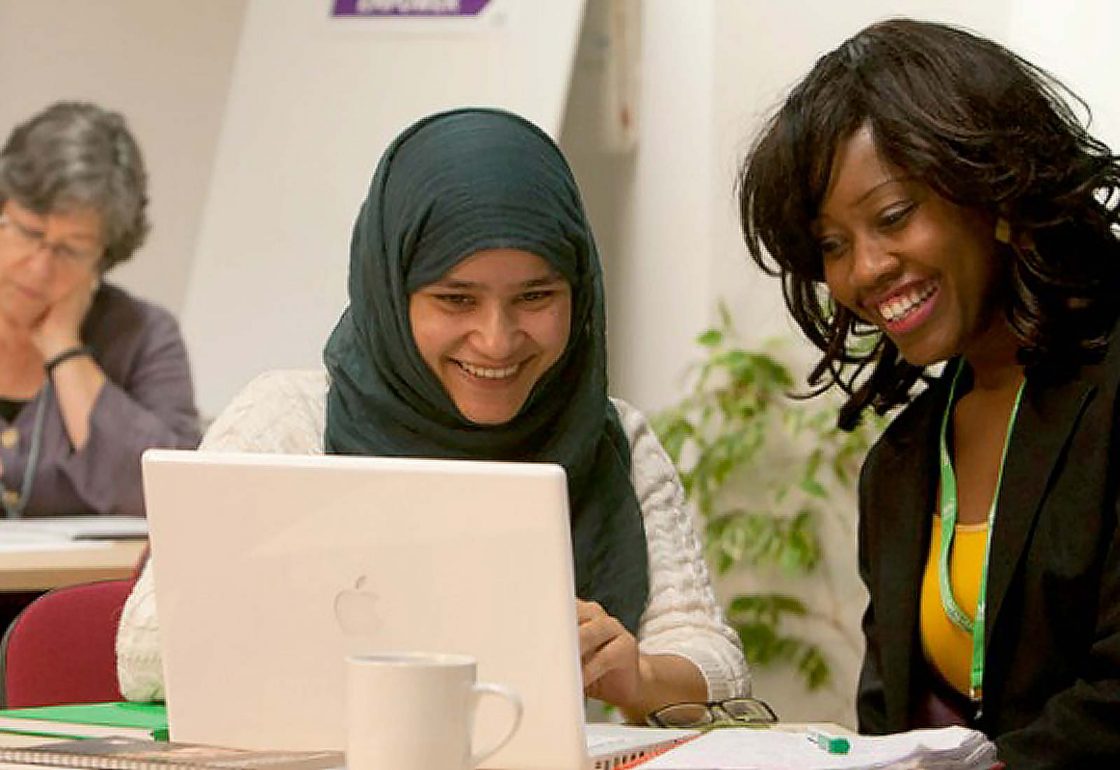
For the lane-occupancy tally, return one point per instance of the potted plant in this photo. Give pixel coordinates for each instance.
(765, 470)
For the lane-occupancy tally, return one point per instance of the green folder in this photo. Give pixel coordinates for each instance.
(89, 720)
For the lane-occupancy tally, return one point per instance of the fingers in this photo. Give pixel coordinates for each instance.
(613, 655)
(609, 656)
(588, 610)
(59, 326)
(596, 628)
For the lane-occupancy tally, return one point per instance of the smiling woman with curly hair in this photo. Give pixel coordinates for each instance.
(927, 197)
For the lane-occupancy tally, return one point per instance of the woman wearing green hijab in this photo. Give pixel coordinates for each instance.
(475, 330)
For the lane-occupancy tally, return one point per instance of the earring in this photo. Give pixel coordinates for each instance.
(1003, 230)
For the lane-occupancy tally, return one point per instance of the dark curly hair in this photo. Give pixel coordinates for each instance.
(984, 129)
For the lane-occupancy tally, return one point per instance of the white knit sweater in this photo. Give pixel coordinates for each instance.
(285, 411)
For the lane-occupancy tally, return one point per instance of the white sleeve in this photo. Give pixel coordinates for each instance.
(282, 412)
(682, 617)
(277, 412)
(139, 664)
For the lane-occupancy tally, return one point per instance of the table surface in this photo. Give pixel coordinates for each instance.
(50, 567)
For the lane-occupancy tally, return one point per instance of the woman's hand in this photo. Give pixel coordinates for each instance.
(77, 381)
(615, 671)
(58, 329)
(611, 662)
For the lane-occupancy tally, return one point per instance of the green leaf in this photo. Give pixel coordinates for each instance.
(813, 487)
(771, 607)
(764, 647)
(710, 339)
(724, 315)
(813, 667)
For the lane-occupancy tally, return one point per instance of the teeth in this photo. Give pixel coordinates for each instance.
(488, 374)
(898, 307)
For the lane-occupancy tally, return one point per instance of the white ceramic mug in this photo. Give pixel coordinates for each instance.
(415, 711)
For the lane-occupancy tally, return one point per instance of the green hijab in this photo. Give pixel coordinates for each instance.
(451, 185)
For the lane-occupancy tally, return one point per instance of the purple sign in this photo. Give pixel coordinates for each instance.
(408, 7)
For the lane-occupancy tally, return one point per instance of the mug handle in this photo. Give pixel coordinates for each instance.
(485, 688)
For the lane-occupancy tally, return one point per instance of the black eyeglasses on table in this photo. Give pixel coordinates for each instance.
(743, 711)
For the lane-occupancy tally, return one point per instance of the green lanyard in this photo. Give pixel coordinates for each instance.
(948, 529)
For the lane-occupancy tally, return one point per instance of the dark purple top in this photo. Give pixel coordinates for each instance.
(147, 401)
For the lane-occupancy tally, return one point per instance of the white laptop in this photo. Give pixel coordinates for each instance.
(270, 569)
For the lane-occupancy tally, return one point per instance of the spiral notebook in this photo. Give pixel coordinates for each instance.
(270, 569)
(121, 753)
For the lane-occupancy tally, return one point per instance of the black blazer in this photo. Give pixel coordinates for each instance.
(1052, 664)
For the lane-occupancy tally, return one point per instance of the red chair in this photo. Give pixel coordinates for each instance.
(62, 647)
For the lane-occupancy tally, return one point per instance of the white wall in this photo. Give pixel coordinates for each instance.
(166, 67)
(313, 103)
(651, 208)
(1076, 42)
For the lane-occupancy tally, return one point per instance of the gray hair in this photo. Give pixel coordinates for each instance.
(78, 155)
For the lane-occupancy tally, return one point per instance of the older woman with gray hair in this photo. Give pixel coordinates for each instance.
(90, 376)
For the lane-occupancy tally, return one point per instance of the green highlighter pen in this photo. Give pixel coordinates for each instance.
(833, 744)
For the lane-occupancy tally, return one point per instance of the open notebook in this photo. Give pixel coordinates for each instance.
(269, 569)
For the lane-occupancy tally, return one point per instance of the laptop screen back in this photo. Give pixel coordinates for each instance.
(270, 569)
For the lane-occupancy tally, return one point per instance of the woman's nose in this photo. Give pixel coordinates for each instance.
(38, 261)
(872, 264)
(497, 333)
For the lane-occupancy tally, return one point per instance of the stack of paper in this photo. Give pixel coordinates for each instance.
(54, 529)
(775, 749)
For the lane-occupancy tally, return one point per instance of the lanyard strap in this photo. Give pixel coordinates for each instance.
(16, 511)
(948, 530)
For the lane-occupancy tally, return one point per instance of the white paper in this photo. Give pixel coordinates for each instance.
(30, 546)
(776, 749)
(63, 528)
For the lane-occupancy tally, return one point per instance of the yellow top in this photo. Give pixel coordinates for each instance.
(947, 648)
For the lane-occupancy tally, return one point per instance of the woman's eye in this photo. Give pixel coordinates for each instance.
(537, 296)
(829, 247)
(457, 301)
(896, 214)
(65, 253)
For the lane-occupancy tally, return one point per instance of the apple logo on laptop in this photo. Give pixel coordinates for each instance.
(355, 610)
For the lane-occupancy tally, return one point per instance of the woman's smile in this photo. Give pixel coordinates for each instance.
(906, 309)
(484, 373)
